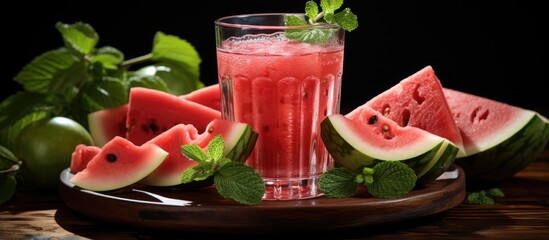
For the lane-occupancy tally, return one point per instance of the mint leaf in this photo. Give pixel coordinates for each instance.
(178, 78)
(483, 197)
(311, 10)
(233, 180)
(79, 37)
(479, 198)
(345, 19)
(21, 109)
(215, 148)
(38, 74)
(495, 193)
(151, 82)
(194, 152)
(173, 49)
(7, 158)
(338, 182)
(239, 182)
(107, 92)
(198, 173)
(330, 6)
(109, 57)
(391, 179)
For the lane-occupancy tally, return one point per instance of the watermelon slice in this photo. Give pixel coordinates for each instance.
(81, 156)
(209, 96)
(120, 163)
(418, 101)
(366, 138)
(152, 112)
(499, 139)
(238, 137)
(105, 124)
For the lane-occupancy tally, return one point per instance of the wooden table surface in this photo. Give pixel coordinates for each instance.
(522, 214)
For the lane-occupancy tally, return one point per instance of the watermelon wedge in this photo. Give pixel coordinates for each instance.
(81, 156)
(120, 163)
(239, 141)
(105, 124)
(499, 139)
(209, 96)
(151, 112)
(366, 138)
(418, 101)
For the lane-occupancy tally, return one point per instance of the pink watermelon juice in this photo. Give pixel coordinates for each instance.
(283, 89)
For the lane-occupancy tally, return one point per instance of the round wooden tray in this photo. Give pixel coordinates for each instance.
(204, 210)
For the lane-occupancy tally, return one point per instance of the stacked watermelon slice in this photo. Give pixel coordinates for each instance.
(140, 142)
(495, 140)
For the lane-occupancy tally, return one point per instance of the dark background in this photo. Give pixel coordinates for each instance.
(493, 49)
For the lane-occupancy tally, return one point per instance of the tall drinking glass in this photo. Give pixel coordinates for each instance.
(283, 88)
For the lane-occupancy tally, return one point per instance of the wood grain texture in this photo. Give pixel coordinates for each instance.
(522, 214)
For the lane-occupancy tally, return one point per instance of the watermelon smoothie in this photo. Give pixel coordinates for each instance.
(283, 89)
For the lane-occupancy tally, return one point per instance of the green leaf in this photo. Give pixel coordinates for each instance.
(330, 6)
(7, 188)
(198, 173)
(65, 79)
(239, 182)
(194, 152)
(21, 109)
(216, 147)
(151, 82)
(108, 92)
(181, 58)
(483, 197)
(496, 193)
(479, 198)
(311, 10)
(180, 79)
(392, 179)
(40, 72)
(170, 48)
(338, 182)
(80, 37)
(7, 158)
(109, 57)
(346, 19)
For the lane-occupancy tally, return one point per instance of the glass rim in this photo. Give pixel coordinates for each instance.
(220, 22)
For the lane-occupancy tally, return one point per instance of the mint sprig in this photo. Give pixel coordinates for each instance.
(345, 18)
(389, 179)
(233, 180)
(81, 77)
(484, 197)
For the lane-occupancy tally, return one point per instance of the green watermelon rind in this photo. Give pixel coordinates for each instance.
(513, 127)
(239, 147)
(509, 154)
(428, 158)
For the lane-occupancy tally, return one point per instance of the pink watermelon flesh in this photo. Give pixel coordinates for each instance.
(105, 124)
(120, 163)
(386, 133)
(483, 122)
(81, 156)
(208, 96)
(170, 171)
(152, 112)
(418, 101)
